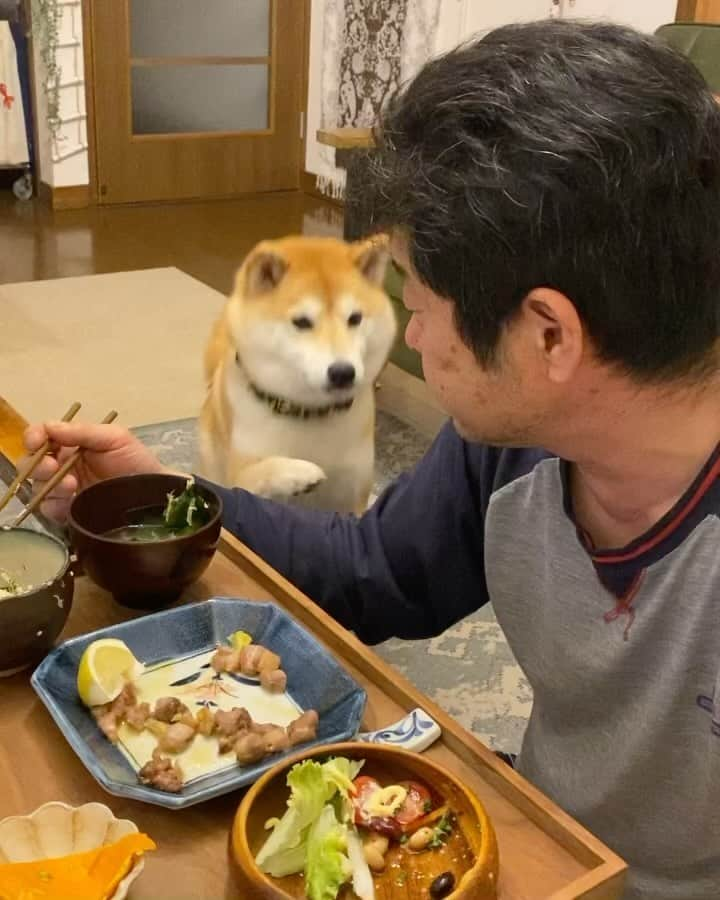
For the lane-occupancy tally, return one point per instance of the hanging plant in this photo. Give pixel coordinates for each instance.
(46, 17)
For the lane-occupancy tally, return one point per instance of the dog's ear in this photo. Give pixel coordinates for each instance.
(263, 271)
(371, 257)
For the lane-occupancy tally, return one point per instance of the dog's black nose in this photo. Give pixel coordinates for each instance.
(341, 375)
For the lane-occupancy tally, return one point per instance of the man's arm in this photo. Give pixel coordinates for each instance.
(410, 567)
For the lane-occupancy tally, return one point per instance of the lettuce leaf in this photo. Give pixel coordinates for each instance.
(284, 851)
(327, 868)
(312, 786)
(342, 772)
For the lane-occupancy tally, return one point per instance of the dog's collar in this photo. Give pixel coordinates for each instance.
(284, 407)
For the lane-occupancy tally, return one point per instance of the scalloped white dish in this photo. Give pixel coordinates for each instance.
(57, 829)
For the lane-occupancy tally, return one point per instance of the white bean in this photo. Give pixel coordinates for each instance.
(377, 840)
(420, 839)
(374, 858)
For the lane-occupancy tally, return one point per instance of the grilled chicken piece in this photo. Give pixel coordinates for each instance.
(162, 774)
(177, 738)
(167, 708)
(304, 728)
(250, 748)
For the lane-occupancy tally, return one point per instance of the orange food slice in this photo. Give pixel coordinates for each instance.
(93, 875)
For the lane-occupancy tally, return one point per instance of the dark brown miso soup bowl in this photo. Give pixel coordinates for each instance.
(34, 616)
(141, 575)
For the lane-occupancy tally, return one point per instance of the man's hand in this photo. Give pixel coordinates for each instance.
(106, 451)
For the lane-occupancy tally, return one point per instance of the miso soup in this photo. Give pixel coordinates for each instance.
(182, 515)
(144, 532)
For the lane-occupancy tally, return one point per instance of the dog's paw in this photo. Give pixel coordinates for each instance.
(297, 477)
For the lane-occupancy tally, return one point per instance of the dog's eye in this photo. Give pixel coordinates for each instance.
(354, 319)
(302, 323)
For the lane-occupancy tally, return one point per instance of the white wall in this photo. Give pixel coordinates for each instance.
(645, 15)
(64, 162)
(461, 19)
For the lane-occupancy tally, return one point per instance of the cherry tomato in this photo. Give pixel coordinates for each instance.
(418, 803)
(365, 787)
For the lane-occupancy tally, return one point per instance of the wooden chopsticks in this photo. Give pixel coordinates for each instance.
(33, 462)
(57, 477)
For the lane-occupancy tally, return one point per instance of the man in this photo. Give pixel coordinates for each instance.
(553, 192)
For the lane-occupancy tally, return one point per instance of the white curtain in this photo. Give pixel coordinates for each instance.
(13, 138)
(419, 40)
(332, 181)
(370, 47)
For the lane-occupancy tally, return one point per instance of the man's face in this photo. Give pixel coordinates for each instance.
(492, 404)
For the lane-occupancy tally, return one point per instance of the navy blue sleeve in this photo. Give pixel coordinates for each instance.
(409, 567)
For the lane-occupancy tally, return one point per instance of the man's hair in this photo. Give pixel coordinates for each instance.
(581, 157)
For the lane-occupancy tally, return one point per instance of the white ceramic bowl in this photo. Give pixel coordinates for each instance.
(56, 829)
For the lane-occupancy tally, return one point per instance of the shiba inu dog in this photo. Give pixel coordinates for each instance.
(291, 367)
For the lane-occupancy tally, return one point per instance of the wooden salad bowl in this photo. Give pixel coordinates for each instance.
(471, 852)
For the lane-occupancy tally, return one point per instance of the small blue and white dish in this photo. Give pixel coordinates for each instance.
(188, 633)
(416, 732)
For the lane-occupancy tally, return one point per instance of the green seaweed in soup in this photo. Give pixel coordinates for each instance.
(183, 514)
(188, 511)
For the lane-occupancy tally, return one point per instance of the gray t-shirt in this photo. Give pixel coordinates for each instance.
(621, 647)
(623, 733)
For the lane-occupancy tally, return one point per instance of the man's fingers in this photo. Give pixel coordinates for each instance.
(46, 468)
(34, 437)
(88, 436)
(45, 471)
(64, 489)
(55, 509)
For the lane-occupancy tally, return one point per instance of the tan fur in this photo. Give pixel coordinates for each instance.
(244, 443)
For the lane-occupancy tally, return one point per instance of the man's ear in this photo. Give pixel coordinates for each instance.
(556, 332)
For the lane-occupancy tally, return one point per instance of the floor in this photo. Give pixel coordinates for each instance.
(206, 240)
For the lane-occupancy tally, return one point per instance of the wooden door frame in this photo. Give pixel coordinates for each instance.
(687, 11)
(89, 61)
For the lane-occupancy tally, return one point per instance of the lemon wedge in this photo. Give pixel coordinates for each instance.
(105, 667)
(239, 639)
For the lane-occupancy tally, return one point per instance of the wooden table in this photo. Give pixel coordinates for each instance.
(543, 852)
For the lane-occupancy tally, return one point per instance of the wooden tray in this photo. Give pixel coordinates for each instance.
(543, 852)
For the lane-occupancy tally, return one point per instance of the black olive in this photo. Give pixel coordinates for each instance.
(442, 886)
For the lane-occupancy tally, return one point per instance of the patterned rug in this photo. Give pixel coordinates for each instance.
(469, 670)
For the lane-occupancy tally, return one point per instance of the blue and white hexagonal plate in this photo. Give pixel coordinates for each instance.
(176, 645)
